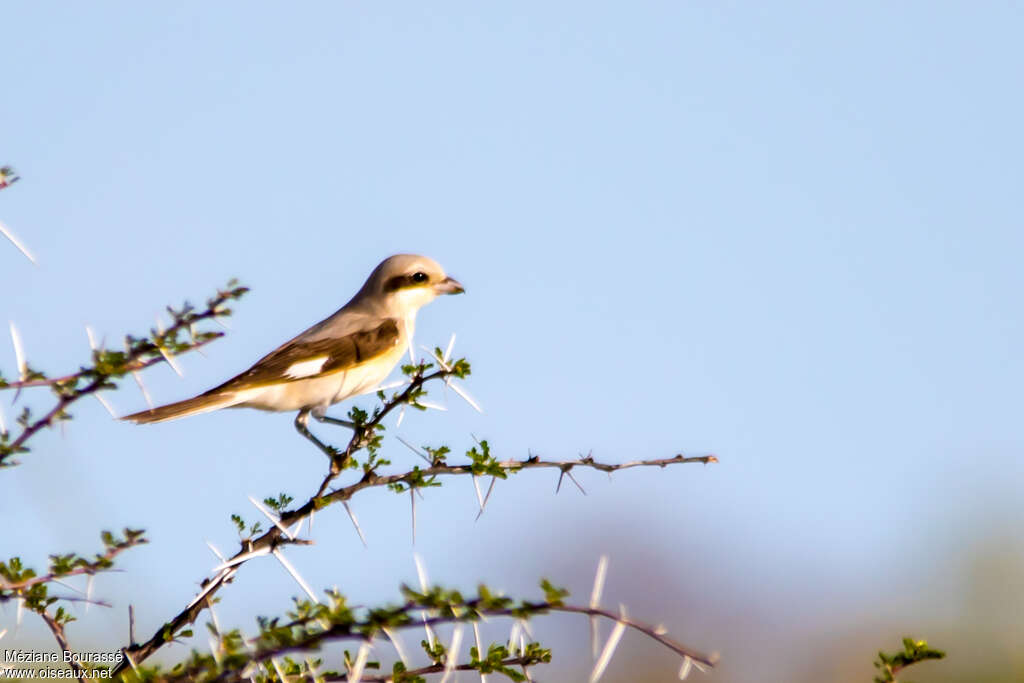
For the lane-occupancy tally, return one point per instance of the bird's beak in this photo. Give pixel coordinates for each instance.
(449, 285)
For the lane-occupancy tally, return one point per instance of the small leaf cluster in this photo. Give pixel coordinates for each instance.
(240, 525)
(914, 651)
(484, 463)
(414, 479)
(279, 504)
(21, 582)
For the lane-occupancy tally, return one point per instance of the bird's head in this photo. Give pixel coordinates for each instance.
(405, 282)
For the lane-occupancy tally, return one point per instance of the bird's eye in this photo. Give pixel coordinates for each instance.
(420, 277)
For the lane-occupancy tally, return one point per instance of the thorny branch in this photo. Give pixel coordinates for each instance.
(64, 566)
(162, 345)
(108, 365)
(316, 625)
(19, 583)
(354, 632)
(366, 436)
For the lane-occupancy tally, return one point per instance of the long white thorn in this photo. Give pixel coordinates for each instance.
(355, 522)
(3, 423)
(431, 638)
(137, 376)
(421, 574)
(432, 406)
(686, 667)
(464, 395)
(397, 643)
(273, 518)
(216, 581)
(487, 497)
(19, 353)
(526, 628)
(412, 497)
(481, 655)
(295, 574)
(132, 664)
(69, 587)
(440, 359)
(599, 577)
(170, 361)
(607, 652)
(414, 450)
(401, 416)
(479, 495)
(393, 385)
(215, 649)
(166, 354)
(105, 404)
(595, 600)
(421, 571)
(92, 337)
(244, 557)
(88, 591)
(448, 351)
(356, 674)
(453, 653)
(513, 637)
(17, 243)
(213, 616)
(213, 549)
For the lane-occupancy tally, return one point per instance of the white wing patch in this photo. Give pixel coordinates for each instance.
(306, 368)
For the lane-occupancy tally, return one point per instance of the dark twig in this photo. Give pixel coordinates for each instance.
(58, 633)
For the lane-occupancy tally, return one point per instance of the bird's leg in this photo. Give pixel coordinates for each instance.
(327, 419)
(301, 420)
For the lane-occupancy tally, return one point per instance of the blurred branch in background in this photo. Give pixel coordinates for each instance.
(33, 592)
(310, 625)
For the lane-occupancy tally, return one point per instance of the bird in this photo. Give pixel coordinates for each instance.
(347, 354)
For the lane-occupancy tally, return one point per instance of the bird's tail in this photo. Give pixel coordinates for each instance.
(203, 403)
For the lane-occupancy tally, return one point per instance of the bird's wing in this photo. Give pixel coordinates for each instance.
(305, 357)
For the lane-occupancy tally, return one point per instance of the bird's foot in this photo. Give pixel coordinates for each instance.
(327, 419)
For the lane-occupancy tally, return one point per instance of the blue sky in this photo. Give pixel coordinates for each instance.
(790, 236)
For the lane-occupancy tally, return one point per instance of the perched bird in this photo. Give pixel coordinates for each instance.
(345, 355)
